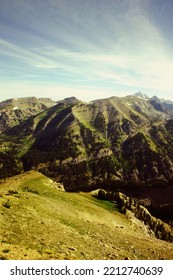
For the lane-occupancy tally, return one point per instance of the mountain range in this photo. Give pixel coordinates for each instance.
(121, 143)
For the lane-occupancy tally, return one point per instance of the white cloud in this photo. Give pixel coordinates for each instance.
(89, 44)
(23, 55)
(144, 70)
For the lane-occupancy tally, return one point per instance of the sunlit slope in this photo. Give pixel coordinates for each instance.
(40, 221)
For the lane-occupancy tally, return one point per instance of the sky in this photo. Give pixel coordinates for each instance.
(89, 49)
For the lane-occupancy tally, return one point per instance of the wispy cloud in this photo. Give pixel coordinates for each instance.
(152, 71)
(23, 55)
(96, 44)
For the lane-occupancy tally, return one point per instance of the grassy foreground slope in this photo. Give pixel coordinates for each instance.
(40, 221)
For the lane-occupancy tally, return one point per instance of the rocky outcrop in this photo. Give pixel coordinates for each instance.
(160, 229)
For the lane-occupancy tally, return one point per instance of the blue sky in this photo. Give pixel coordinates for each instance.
(86, 48)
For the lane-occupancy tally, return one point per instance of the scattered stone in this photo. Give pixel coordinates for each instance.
(72, 249)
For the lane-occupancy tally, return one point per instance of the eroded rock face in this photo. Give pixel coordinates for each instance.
(161, 229)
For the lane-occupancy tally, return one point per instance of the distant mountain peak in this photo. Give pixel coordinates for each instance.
(69, 100)
(165, 104)
(15, 110)
(141, 95)
(155, 98)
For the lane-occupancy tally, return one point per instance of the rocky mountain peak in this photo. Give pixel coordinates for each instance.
(141, 95)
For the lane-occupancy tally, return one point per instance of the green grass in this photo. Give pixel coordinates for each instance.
(84, 115)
